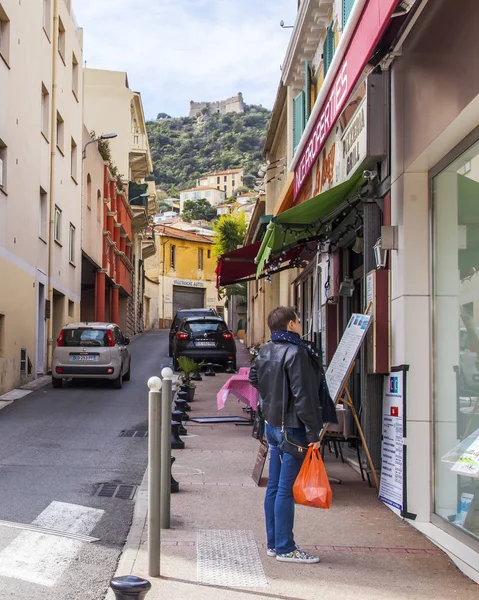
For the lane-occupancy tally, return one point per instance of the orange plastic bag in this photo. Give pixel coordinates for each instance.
(311, 487)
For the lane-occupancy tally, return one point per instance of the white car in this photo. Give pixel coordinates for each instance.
(91, 351)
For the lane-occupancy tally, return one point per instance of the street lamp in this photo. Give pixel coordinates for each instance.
(380, 255)
(104, 136)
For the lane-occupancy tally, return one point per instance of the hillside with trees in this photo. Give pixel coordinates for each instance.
(183, 149)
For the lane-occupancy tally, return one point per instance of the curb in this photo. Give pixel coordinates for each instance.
(131, 547)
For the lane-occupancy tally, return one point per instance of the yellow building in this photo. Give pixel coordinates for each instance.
(227, 181)
(181, 274)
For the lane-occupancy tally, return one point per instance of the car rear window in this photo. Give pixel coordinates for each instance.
(182, 314)
(205, 325)
(85, 337)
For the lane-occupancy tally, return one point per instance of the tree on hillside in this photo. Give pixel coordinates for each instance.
(229, 232)
(198, 210)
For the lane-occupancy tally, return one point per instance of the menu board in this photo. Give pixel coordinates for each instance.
(391, 489)
(340, 366)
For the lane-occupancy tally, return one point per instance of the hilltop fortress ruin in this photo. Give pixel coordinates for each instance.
(221, 107)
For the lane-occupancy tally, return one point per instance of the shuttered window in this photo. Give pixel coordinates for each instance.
(298, 118)
(328, 49)
(307, 90)
(347, 8)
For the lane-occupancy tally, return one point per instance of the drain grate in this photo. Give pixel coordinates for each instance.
(134, 433)
(114, 490)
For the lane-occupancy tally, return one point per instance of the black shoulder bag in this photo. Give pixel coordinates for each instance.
(288, 444)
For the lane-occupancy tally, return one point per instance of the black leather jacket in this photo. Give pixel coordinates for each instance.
(274, 362)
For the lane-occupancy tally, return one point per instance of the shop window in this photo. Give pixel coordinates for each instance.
(456, 343)
(4, 35)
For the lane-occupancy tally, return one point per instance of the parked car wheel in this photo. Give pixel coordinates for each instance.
(57, 382)
(127, 375)
(118, 382)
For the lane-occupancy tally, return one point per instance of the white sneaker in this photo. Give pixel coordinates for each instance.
(298, 556)
(270, 552)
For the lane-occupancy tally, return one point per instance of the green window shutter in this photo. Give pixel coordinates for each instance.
(307, 90)
(298, 119)
(328, 49)
(347, 8)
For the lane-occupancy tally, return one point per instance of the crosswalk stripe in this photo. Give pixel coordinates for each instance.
(41, 558)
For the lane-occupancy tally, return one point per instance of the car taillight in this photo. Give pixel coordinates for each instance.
(110, 338)
(182, 336)
(228, 336)
(61, 338)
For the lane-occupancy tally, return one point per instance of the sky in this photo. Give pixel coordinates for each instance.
(175, 51)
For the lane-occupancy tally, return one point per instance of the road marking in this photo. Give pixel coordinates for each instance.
(42, 558)
(49, 531)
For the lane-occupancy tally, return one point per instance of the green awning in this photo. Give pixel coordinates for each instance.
(307, 220)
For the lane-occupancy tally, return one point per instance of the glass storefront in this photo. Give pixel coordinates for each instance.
(456, 342)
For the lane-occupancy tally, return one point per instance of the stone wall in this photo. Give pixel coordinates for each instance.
(233, 104)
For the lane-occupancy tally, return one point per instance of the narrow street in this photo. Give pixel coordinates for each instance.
(57, 446)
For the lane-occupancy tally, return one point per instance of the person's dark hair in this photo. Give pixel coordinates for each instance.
(279, 318)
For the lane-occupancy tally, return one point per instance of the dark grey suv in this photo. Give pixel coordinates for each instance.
(186, 313)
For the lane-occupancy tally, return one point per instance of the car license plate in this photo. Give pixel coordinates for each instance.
(205, 344)
(85, 357)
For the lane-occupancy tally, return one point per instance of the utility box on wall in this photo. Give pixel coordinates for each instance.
(378, 339)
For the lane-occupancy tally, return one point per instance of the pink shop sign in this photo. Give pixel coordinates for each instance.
(371, 26)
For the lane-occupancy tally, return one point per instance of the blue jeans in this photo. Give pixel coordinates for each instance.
(279, 501)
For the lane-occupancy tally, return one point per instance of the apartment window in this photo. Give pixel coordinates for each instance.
(209, 254)
(4, 35)
(60, 132)
(47, 16)
(99, 207)
(200, 259)
(225, 179)
(2, 335)
(43, 223)
(217, 180)
(3, 166)
(71, 309)
(88, 191)
(57, 225)
(61, 39)
(75, 71)
(173, 257)
(232, 183)
(225, 187)
(45, 112)
(74, 160)
(71, 244)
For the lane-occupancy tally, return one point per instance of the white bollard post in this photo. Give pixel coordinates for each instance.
(154, 476)
(167, 399)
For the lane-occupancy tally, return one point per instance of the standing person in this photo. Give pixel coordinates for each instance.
(287, 356)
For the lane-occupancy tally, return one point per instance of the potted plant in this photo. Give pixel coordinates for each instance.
(187, 367)
(197, 372)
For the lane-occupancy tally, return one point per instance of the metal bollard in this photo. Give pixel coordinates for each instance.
(154, 476)
(167, 396)
(182, 405)
(130, 587)
(175, 486)
(230, 367)
(210, 371)
(177, 415)
(184, 396)
(176, 442)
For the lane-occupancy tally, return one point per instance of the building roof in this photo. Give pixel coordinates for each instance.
(227, 172)
(201, 188)
(181, 234)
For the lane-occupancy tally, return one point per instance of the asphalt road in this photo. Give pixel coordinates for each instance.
(56, 446)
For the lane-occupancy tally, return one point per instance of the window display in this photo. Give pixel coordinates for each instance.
(456, 342)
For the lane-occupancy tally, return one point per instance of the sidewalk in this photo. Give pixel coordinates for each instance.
(367, 553)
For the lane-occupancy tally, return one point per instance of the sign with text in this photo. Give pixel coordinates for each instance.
(369, 30)
(189, 283)
(391, 488)
(342, 361)
(354, 142)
